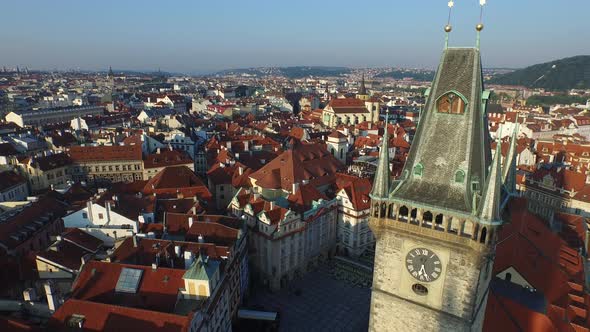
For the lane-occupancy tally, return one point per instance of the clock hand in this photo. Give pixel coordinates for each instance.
(422, 269)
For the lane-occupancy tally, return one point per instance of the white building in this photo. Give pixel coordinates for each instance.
(103, 223)
(41, 117)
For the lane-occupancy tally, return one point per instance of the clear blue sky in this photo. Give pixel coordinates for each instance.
(204, 35)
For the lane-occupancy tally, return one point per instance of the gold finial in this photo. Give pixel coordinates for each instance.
(479, 27)
(448, 28)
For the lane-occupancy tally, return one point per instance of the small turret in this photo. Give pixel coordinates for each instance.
(509, 168)
(489, 211)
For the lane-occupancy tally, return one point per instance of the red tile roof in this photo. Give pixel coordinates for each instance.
(157, 290)
(82, 154)
(309, 162)
(177, 179)
(82, 239)
(547, 262)
(30, 221)
(357, 189)
(166, 158)
(114, 318)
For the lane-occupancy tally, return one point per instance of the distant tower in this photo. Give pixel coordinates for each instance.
(327, 92)
(437, 225)
(362, 94)
(338, 145)
(111, 78)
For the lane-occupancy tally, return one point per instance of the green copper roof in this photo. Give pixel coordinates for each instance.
(202, 268)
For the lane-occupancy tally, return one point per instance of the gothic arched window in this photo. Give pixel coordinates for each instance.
(459, 176)
(418, 170)
(451, 103)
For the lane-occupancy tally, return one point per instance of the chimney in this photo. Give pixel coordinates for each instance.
(188, 259)
(295, 188)
(158, 150)
(201, 239)
(190, 222)
(30, 295)
(177, 251)
(134, 241)
(246, 145)
(272, 205)
(108, 208)
(52, 300)
(89, 208)
(228, 145)
(240, 170)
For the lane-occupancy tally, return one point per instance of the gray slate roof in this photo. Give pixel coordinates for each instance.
(445, 143)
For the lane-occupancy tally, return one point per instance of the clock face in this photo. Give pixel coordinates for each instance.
(423, 264)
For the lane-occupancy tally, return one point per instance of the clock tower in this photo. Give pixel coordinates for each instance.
(436, 224)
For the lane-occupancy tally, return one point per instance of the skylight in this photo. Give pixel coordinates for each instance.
(128, 280)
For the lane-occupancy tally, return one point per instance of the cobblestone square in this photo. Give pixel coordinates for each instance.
(318, 302)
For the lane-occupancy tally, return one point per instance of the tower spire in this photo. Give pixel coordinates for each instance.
(382, 177)
(449, 27)
(363, 89)
(479, 26)
(489, 211)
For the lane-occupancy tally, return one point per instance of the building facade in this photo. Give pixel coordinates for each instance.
(117, 163)
(52, 115)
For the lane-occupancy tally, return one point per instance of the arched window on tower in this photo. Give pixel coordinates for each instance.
(403, 212)
(482, 237)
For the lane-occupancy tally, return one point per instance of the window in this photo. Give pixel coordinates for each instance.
(84, 215)
(420, 289)
(451, 103)
(100, 216)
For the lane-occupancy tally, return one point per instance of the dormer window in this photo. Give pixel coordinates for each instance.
(418, 170)
(475, 185)
(451, 103)
(460, 176)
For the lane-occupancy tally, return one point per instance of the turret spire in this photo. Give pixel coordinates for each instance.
(382, 181)
(489, 211)
(509, 168)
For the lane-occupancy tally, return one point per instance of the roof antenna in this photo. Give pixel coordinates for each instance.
(449, 27)
(479, 26)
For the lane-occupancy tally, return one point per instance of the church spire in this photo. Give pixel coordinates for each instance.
(363, 89)
(489, 211)
(382, 181)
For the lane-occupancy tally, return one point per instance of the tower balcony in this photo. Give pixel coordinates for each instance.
(451, 229)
